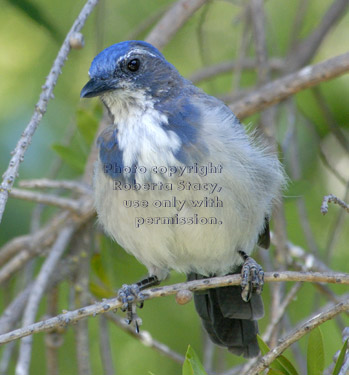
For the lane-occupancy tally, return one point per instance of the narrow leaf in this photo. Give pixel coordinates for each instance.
(287, 365)
(281, 363)
(340, 358)
(100, 290)
(100, 270)
(71, 156)
(273, 371)
(315, 354)
(192, 364)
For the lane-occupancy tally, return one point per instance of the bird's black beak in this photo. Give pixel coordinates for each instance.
(96, 87)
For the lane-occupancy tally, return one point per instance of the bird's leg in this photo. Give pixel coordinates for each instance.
(127, 294)
(252, 277)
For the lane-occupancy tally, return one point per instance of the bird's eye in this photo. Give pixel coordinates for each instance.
(133, 65)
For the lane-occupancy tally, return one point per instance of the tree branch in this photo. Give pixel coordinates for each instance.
(47, 93)
(332, 198)
(104, 346)
(297, 334)
(196, 285)
(302, 53)
(228, 66)
(65, 268)
(280, 89)
(278, 315)
(172, 21)
(36, 294)
(43, 183)
(49, 199)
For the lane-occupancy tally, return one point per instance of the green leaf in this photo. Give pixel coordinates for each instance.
(273, 371)
(71, 156)
(287, 365)
(340, 358)
(87, 123)
(100, 290)
(192, 364)
(99, 269)
(262, 345)
(281, 363)
(316, 354)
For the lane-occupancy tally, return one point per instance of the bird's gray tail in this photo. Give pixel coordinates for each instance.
(230, 321)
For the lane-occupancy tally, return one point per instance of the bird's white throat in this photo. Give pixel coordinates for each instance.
(144, 134)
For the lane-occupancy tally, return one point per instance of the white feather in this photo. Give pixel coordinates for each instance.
(251, 179)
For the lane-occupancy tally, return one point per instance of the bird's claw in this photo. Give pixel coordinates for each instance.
(252, 277)
(132, 316)
(127, 294)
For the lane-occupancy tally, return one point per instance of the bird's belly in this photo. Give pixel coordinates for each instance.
(163, 229)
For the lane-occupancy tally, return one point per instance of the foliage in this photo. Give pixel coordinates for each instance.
(306, 129)
(192, 364)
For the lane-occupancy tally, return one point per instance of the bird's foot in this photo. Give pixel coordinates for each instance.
(129, 294)
(252, 277)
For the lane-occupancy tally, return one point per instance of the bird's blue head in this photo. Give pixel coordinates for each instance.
(130, 66)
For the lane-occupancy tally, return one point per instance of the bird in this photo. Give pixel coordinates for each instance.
(182, 185)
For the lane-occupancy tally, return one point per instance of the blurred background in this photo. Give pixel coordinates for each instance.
(311, 128)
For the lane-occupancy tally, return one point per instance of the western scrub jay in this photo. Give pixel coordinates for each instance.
(180, 185)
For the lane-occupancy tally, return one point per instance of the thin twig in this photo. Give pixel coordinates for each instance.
(225, 67)
(34, 241)
(304, 51)
(172, 21)
(49, 199)
(242, 48)
(36, 294)
(323, 157)
(145, 337)
(104, 347)
(196, 285)
(281, 311)
(44, 183)
(268, 127)
(53, 339)
(209, 349)
(296, 349)
(328, 164)
(330, 119)
(332, 297)
(14, 310)
(81, 299)
(280, 89)
(16, 263)
(296, 174)
(144, 25)
(18, 251)
(258, 23)
(337, 226)
(47, 94)
(298, 22)
(332, 198)
(309, 261)
(7, 355)
(297, 334)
